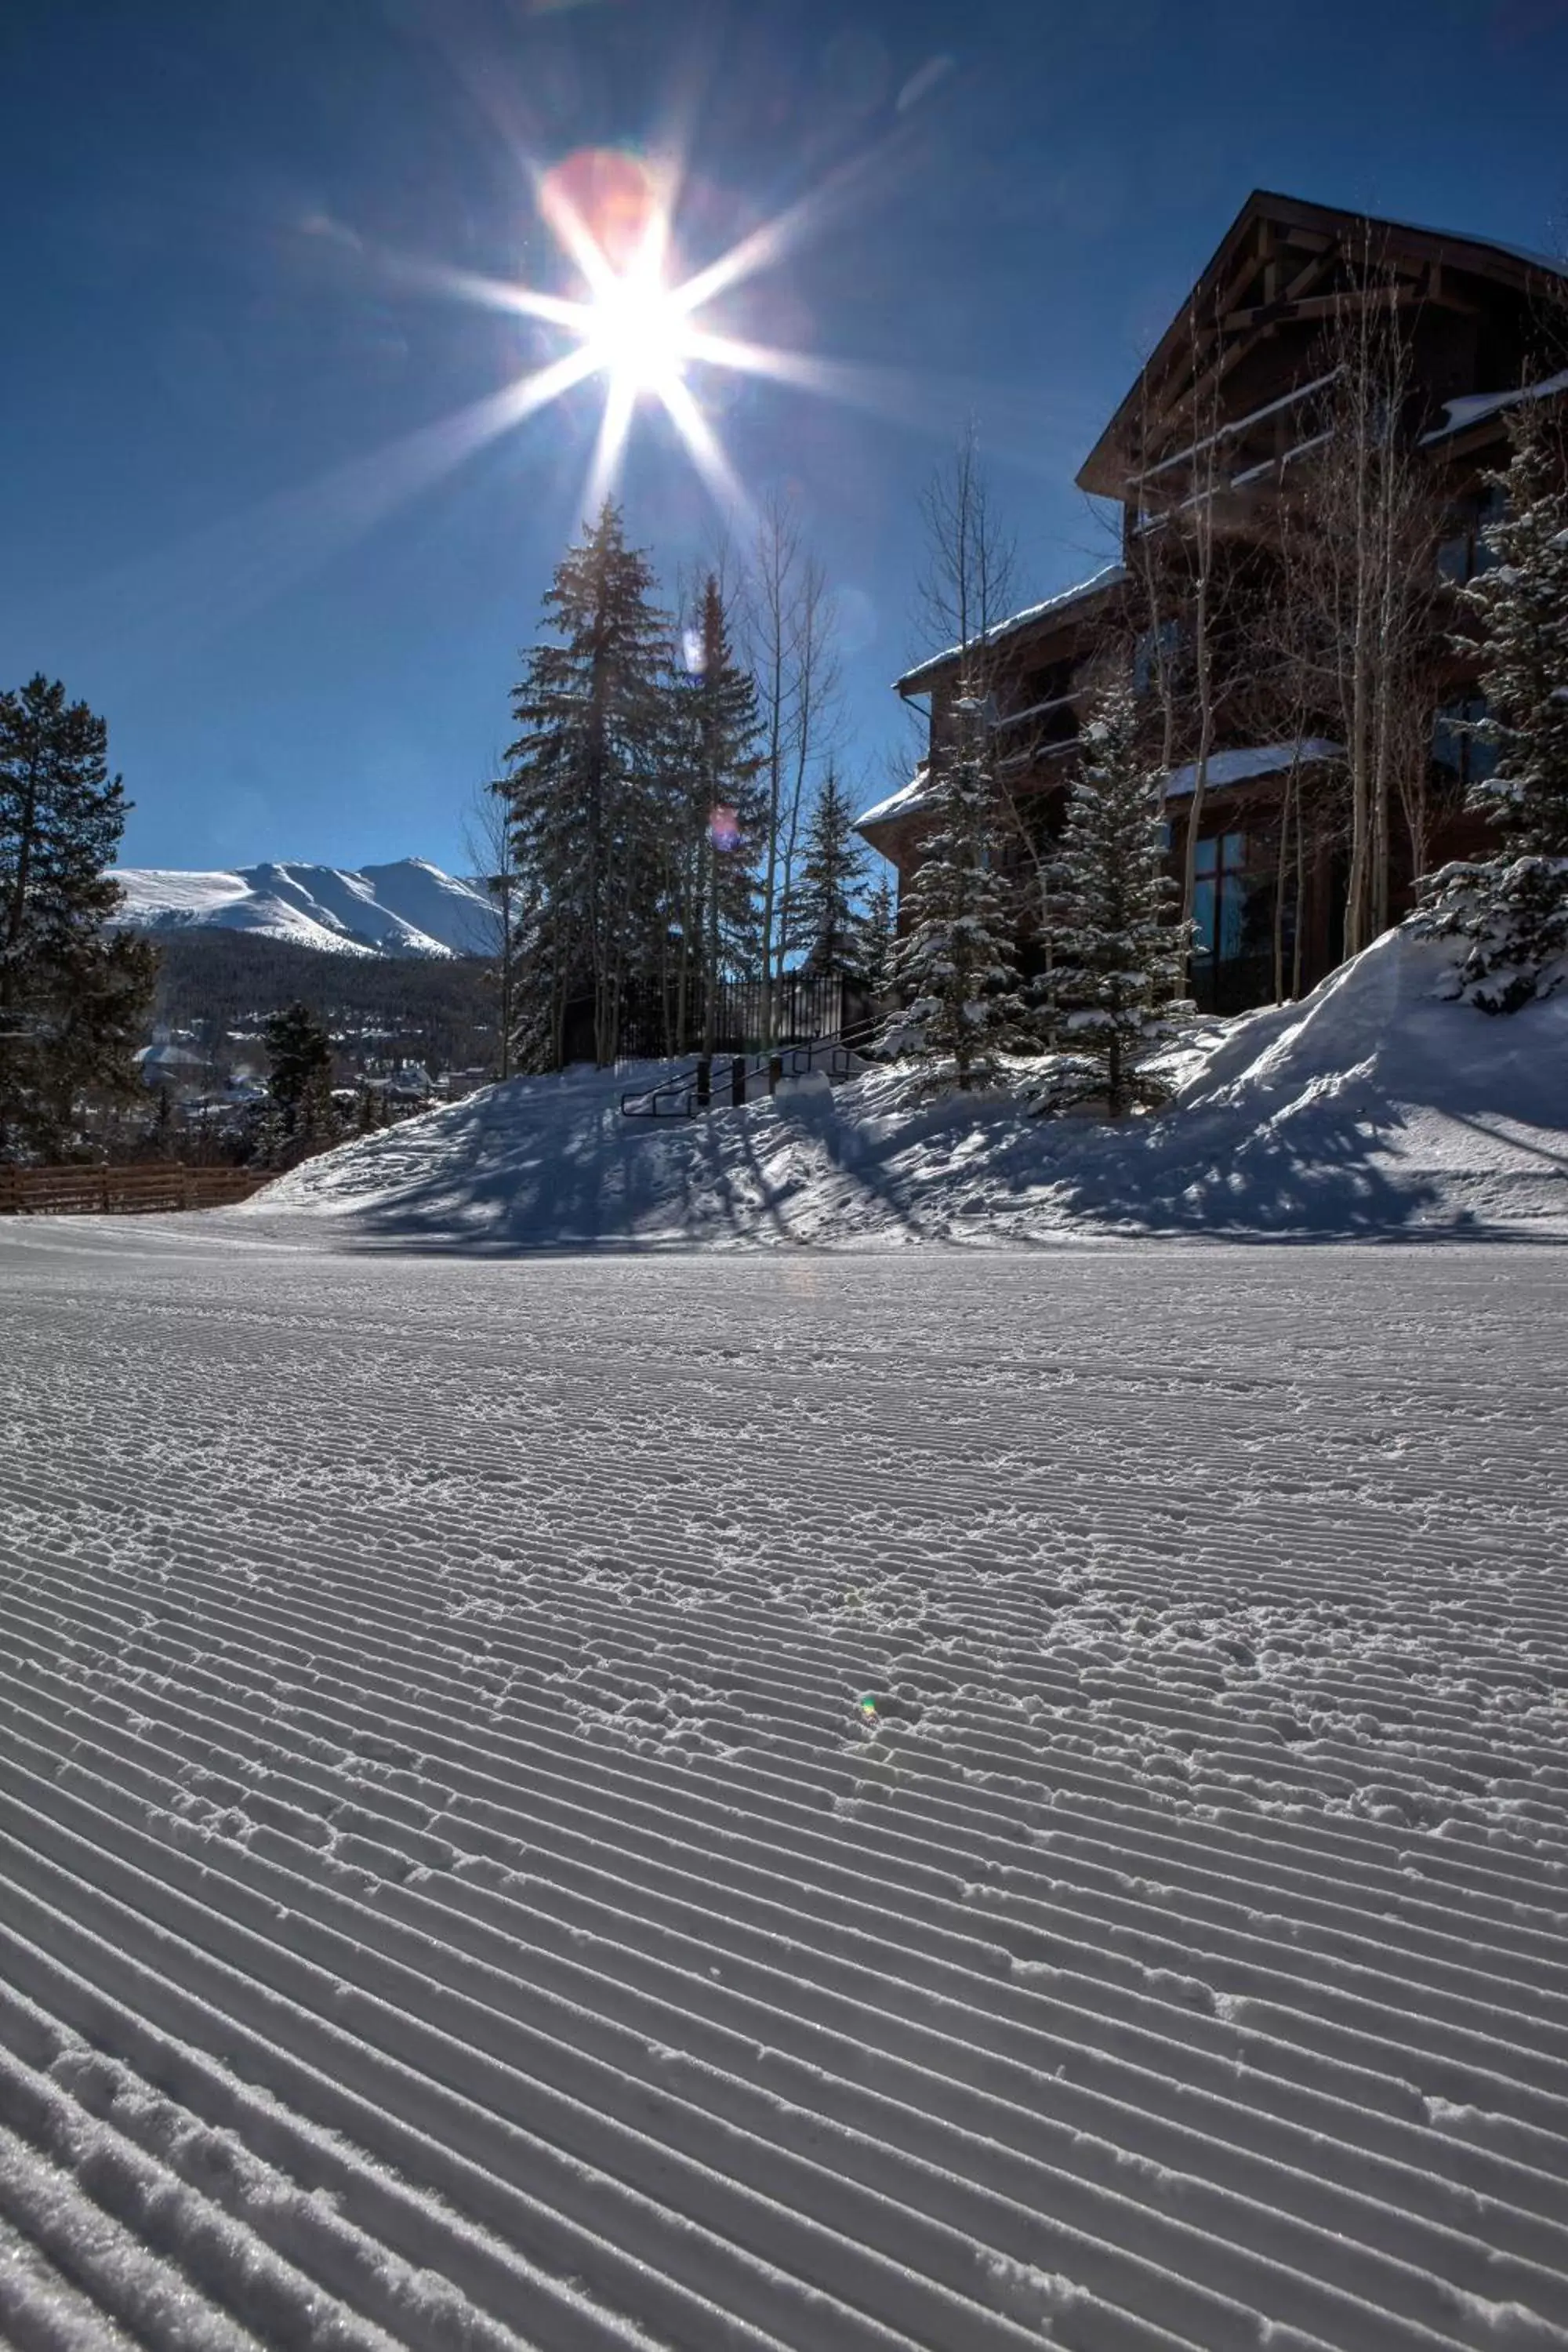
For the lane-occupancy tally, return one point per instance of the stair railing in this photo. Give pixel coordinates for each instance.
(702, 1087)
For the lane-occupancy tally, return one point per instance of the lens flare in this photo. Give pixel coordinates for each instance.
(634, 322)
(604, 206)
(639, 326)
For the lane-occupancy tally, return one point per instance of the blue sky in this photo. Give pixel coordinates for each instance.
(220, 401)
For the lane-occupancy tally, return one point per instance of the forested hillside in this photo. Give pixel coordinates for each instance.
(218, 984)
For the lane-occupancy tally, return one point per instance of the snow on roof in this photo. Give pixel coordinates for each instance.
(1474, 406)
(902, 802)
(1553, 263)
(1110, 576)
(1239, 766)
(168, 1057)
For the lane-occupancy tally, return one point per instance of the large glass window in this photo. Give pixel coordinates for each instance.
(1454, 556)
(1483, 555)
(1455, 745)
(1467, 548)
(1220, 897)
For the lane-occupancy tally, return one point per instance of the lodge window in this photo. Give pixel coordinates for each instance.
(1043, 685)
(1154, 649)
(1467, 550)
(1220, 898)
(1455, 746)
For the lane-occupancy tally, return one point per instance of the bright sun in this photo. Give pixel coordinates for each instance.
(646, 337)
(638, 333)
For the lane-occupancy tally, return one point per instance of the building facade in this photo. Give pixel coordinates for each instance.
(1333, 385)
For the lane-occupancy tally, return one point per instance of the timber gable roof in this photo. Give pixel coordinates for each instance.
(1275, 268)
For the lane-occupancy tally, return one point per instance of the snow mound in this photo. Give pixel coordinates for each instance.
(1372, 1107)
(407, 908)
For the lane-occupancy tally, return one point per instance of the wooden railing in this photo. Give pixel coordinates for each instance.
(138, 1191)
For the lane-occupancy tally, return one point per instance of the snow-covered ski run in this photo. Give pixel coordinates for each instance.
(752, 1802)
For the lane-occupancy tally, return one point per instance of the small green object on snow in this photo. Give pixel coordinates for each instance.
(867, 1703)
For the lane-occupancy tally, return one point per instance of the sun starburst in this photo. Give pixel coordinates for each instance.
(644, 331)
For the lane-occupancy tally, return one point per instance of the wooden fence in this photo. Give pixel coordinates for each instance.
(156, 1185)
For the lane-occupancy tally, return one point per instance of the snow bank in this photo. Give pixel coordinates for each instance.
(1371, 1108)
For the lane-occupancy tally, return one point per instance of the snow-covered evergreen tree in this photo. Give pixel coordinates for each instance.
(583, 783)
(828, 923)
(1522, 605)
(954, 972)
(1117, 940)
(879, 935)
(1513, 908)
(1510, 914)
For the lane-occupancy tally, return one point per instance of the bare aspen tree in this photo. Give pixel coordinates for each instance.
(689, 856)
(1154, 611)
(967, 586)
(1171, 551)
(788, 634)
(770, 638)
(1190, 537)
(1372, 520)
(969, 577)
(814, 737)
(488, 848)
(1285, 691)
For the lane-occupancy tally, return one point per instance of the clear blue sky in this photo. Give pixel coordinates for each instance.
(217, 528)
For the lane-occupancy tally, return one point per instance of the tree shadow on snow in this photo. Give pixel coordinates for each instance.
(1332, 1175)
(518, 1174)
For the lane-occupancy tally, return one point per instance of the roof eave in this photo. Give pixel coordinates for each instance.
(1063, 612)
(1103, 471)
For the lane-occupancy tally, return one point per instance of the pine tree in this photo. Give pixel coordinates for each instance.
(74, 991)
(1513, 908)
(1522, 605)
(878, 936)
(299, 1083)
(298, 1052)
(584, 783)
(716, 820)
(832, 876)
(954, 972)
(1119, 949)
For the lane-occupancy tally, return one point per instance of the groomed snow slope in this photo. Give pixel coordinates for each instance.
(744, 1803)
(407, 908)
(1372, 1107)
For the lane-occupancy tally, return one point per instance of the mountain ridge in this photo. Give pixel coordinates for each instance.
(407, 908)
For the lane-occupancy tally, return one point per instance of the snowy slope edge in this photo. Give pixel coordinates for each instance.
(1370, 1107)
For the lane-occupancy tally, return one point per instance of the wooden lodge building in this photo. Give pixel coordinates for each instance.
(1221, 425)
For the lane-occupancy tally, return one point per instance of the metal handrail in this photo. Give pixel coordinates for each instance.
(648, 1102)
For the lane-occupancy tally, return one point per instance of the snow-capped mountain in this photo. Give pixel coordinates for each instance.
(408, 909)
